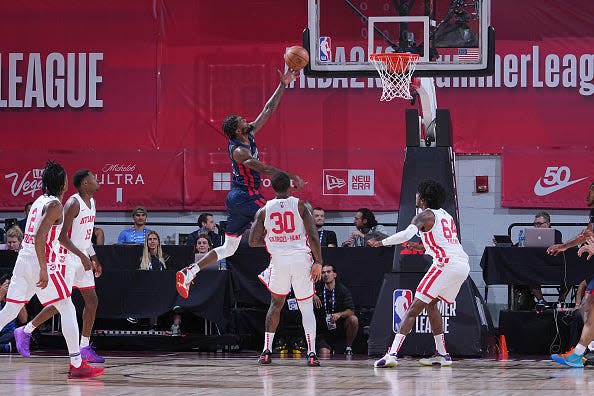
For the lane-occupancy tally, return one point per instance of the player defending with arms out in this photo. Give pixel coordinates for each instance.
(574, 357)
(445, 276)
(244, 199)
(287, 229)
(38, 267)
(75, 237)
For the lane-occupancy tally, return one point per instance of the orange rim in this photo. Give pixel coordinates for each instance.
(397, 62)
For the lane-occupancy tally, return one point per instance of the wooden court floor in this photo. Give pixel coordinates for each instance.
(173, 374)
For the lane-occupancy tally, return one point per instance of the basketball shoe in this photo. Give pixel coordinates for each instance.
(183, 282)
(88, 353)
(437, 359)
(22, 341)
(569, 358)
(265, 357)
(389, 360)
(312, 360)
(85, 371)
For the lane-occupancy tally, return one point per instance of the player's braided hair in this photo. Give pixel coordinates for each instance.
(53, 179)
(432, 193)
(230, 124)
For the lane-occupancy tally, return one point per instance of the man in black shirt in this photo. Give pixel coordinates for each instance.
(335, 315)
(327, 237)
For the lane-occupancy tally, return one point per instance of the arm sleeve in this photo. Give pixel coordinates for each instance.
(401, 236)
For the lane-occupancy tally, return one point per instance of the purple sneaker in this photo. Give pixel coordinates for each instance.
(22, 340)
(88, 354)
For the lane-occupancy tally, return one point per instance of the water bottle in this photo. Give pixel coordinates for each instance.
(223, 264)
(521, 239)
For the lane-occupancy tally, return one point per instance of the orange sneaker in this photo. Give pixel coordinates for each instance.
(85, 371)
(182, 282)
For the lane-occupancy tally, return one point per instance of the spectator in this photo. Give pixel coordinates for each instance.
(23, 222)
(543, 220)
(327, 237)
(14, 237)
(337, 323)
(208, 227)
(98, 237)
(203, 246)
(7, 333)
(367, 229)
(152, 254)
(138, 233)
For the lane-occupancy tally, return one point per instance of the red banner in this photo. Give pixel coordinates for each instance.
(546, 178)
(160, 76)
(152, 179)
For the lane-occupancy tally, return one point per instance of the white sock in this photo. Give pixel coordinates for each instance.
(84, 341)
(591, 346)
(76, 360)
(29, 328)
(398, 340)
(308, 319)
(69, 329)
(268, 337)
(579, 349)
(193, 270)
(440, 344)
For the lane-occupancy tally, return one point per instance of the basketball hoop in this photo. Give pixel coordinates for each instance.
(395, 70)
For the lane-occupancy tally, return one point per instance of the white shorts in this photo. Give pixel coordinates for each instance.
(76, 276)
(442, 282)
(286, 271)
(26, 275)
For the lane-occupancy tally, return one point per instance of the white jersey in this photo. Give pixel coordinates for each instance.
(52, 245)
(82, 225)
(285, 233)
(441, 242)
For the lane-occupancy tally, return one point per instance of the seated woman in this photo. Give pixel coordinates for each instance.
(152, 253)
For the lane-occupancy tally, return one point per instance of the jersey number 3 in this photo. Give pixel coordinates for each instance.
(283, 222)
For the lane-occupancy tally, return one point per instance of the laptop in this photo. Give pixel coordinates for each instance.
(539, 237)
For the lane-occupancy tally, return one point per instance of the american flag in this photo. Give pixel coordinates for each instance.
(468, 54)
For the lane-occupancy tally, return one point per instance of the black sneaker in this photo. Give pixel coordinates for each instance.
(265, 357)
(589, 357)
(312, 360)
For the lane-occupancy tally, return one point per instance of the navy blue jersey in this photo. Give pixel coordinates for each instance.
(244, 178)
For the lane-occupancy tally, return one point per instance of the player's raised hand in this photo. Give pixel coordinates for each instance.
(288, 77)
(43, 278)
(316, 272)
(299, 183)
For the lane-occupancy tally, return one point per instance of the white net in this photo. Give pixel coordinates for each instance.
(395, 70)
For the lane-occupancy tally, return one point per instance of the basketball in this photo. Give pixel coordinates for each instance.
(296, 57)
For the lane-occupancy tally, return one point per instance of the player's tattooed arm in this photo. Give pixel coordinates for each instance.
(257, 231)
(424, 220)
(272, 103)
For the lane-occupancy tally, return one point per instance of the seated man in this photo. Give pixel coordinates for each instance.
(14, 237)
(137, 234)
(207, 226)
(7, 333)
(21, 222)
(335, 316)
(367, 229)
(543, 220)
(327, 237)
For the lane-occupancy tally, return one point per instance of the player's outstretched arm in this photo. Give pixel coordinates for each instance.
(71, 210)
(587, 248)
(579, 239)
(52, 213)
(256, 238)
(243, 156)
(314, 241)
(424, 221)
(270, 106)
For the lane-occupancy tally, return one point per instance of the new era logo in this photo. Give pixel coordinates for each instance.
(221, 181)
(349, 182)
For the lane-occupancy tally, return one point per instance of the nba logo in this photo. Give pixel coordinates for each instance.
(401, 301)
(325, 49)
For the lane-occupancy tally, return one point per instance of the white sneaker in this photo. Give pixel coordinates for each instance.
(437, 359)
(389, 360)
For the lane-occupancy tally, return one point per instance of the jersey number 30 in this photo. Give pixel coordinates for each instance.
(283, 222)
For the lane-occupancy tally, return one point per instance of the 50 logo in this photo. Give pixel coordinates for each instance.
(555, 178)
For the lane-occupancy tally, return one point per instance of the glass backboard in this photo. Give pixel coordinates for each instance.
(452, 37)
